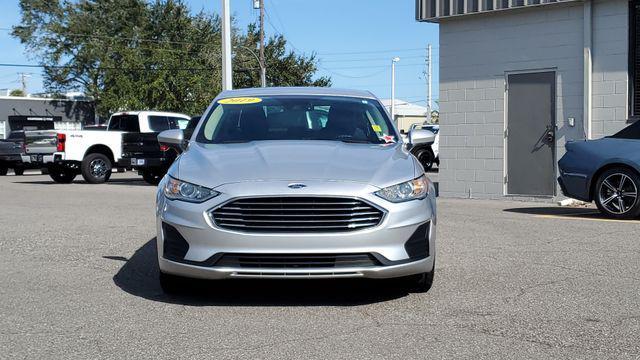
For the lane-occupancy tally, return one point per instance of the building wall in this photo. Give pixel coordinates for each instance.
(73, 114)
(610, 67)
(475, 54)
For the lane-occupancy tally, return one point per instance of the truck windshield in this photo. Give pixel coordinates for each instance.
(162, 123)
(127, 123)
(331, 118)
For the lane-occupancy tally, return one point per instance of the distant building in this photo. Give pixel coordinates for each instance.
(520, 78)
(407, 113)
(28, 113)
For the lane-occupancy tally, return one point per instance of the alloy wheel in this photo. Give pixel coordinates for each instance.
(98, 168)
(618, 193)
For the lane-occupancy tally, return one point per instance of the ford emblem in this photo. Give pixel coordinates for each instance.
(296, 186)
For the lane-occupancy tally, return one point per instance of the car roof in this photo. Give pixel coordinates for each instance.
(318, 91)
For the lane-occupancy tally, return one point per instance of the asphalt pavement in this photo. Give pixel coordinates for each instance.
(513, 280)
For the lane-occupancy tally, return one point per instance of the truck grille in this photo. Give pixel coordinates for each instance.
(297, 214)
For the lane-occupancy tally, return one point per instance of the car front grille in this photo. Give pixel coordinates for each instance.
(297, 214)
(296, 261)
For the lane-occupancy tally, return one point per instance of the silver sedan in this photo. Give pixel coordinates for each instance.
(295, 183)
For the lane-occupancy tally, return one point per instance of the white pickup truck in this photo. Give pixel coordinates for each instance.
(94, 153)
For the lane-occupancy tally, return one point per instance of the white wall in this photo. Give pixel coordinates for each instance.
(476, 51)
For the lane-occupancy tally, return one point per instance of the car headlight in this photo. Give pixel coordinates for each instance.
(175, 189)
(411, 190)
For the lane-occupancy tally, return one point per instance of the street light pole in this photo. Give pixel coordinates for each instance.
(227, 72)
(393, 88)
(263, 70)
(263, 66)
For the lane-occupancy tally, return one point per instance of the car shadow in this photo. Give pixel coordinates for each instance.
(120, 181)
(556, 211)
(139, 277)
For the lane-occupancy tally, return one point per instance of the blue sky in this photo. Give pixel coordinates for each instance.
(354, 40)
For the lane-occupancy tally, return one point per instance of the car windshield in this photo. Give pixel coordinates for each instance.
(332, 118)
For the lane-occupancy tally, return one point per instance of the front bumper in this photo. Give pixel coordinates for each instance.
(386, 240)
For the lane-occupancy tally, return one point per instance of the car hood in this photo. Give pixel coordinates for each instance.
(213, 165)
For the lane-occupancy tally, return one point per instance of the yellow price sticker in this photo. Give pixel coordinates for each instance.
(376, 128)
(240, 101)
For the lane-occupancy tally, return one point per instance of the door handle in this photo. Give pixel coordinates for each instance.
(550, 135)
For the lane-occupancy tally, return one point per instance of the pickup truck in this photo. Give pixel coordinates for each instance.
(11, 154)
(143, 152)
(427, 152)
(92, 153)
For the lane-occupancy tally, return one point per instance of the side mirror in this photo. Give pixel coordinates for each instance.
(420, 137)
(173, 138)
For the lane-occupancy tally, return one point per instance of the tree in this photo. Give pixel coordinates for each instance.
(136, 54)
(17, 92)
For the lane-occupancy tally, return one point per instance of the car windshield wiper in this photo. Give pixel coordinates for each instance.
(233, 141)
(356, 141)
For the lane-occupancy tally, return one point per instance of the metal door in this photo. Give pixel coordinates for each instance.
(530, 133)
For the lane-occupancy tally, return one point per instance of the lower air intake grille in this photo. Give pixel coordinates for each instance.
(297, 215)
(297, 261)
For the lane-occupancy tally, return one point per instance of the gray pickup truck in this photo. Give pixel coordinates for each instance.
(11, 151)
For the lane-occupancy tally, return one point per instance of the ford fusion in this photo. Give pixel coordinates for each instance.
(295, 183)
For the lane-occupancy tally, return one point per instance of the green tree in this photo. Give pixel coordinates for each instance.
(17, 92)
(135, 54)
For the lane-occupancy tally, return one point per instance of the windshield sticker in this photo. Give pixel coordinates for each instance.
(376, 128)
(389, 139)
(240, 101)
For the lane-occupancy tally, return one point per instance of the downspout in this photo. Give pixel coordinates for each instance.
(588, 68)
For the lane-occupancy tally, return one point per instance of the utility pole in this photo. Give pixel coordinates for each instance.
(263, 65)
(393, 88)
(429, 81)
(23, 81)
(227, 72)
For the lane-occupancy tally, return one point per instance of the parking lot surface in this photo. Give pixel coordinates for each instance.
(513, 280)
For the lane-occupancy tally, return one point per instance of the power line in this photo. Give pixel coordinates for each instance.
(105, 67)
(373, 66)
(372, 59)
(352, 76)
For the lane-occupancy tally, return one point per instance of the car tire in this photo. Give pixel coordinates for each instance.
(96, 168)
(61, 175)
(426, 158)
(3, 170)
(171, 284)
(421, 283)
(19, 171)
(151, 177)
(616, 193)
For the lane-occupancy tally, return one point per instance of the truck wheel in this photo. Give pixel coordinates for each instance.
(426, 158)
(18, 170)
(96, 168)
(62, 175)
(151, 177)
(3, 170)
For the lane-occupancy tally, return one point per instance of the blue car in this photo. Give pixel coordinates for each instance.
(606, 171)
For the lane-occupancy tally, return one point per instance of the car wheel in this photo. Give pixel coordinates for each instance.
(3, 170)
(62, 175)
(616, 193)
(151, 177)
(18, 170)
(96, 168)
(421, 283)
(171, 284)
(426, 158)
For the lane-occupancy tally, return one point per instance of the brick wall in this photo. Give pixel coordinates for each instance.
(477, 51)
